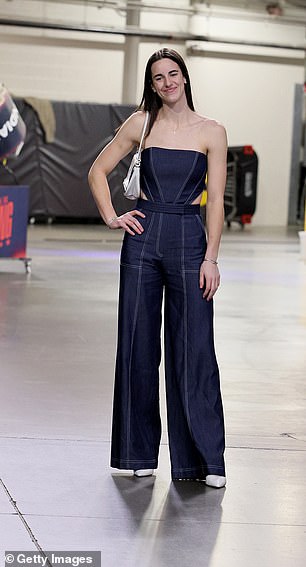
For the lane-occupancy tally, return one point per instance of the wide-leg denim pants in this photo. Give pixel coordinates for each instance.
(163, 263)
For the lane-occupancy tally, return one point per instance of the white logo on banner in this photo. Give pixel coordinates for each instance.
(10, 124)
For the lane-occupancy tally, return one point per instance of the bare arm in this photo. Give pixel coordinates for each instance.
(123, 142)
(217, 154)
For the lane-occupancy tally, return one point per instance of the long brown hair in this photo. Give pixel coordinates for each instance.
(150, 100)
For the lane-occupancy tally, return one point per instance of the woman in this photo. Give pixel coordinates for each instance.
(165, 253)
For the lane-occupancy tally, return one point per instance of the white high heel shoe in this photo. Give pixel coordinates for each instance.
(215, 481)
(143, 472)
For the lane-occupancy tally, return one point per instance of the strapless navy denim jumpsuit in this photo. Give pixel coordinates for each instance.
(163, 263)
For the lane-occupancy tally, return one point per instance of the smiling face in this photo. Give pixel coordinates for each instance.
(168, 81)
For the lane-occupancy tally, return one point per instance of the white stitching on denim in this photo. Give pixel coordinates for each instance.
(130, 265)
(199, 219)
(187, 179)
(116, 460)
(159, 228)
(147, 188)
(199, 468)
(185, 325)
(191, 196)
(133, 334)
(155, 176)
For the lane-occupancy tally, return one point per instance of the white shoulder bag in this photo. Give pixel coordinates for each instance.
(131, 183)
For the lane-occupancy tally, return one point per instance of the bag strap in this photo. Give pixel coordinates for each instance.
(143, 134)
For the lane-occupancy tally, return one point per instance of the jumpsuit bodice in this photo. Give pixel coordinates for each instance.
(172, 175)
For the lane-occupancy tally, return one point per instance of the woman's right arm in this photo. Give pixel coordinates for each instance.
(121, 145)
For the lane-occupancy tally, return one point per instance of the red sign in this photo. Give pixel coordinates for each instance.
(6, 221)
(13, 220)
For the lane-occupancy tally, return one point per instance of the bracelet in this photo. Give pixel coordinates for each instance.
(210, 260)
(109, 222)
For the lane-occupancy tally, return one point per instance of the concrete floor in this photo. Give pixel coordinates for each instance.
(57, 348)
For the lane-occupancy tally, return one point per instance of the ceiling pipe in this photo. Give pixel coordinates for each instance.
(88, 28)
(132, 5)
(148, 34)
(197, 8)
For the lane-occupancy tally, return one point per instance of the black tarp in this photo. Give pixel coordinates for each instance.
(57, 172)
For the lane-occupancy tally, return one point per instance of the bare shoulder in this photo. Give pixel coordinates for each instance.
(213, 132)
(214, 126)
(136, 118)
(132, 127)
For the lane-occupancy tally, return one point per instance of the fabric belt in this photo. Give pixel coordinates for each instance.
(169, 208)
